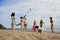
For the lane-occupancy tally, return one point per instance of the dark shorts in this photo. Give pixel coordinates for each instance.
(25, 24)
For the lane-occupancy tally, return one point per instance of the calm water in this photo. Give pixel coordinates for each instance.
(55, 29)
(47, 29)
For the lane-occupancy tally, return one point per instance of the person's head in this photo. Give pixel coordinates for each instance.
(51, 18)
(21, 17)
(41, 21)
(34, 21)
(13, 14)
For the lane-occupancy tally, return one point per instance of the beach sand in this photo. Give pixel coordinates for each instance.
(22, 35)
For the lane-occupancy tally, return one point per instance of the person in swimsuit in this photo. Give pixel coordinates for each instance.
(41, 23)
(51, 21)
(25, 24)
(13, 20)
(21, 23)
(41, 26)
(34, 26)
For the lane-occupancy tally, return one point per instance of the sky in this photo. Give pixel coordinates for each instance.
(40, 9)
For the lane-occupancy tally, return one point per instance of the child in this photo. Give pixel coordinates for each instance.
(41, 24)
(13, 20)
(25, 24)
(51, 21)
(34, 26)
(21, 23)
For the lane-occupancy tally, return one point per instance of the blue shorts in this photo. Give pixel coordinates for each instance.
(13, 21)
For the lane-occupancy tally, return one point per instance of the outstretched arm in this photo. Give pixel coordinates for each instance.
(18, 24)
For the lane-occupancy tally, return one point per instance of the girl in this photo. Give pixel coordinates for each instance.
(41, 28)
(34, 26)
(21, 23)
(13, 20)
(41, 23)
(51, 21)
(25, 24)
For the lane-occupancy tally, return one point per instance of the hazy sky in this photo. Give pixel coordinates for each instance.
(40, 9)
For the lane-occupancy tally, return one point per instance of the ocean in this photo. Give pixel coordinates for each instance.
(47, 29)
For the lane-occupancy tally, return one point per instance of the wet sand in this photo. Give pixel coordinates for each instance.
(22, 35)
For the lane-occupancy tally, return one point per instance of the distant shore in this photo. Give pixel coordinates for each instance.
(22, 35)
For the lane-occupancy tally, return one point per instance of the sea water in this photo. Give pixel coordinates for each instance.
(46, 29)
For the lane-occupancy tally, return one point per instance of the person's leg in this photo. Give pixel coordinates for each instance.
(41, 28)
(26, 28)
(21, 28)
(12, 27)
(52, 28)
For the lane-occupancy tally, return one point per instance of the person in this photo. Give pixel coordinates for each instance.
(21, 23)
(41, 23)
(25, 24)
(51, 21)
(13, 20)
(41, 26)
(34, 26)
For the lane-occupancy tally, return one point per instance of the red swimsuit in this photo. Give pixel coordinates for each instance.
(34, 26)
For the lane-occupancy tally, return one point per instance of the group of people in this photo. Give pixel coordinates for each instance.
(41, 29)
(36, 28)
(24, 24)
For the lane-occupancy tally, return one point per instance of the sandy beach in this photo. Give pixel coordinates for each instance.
(22, 35)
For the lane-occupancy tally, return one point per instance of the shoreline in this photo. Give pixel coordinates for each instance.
(30, 30)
